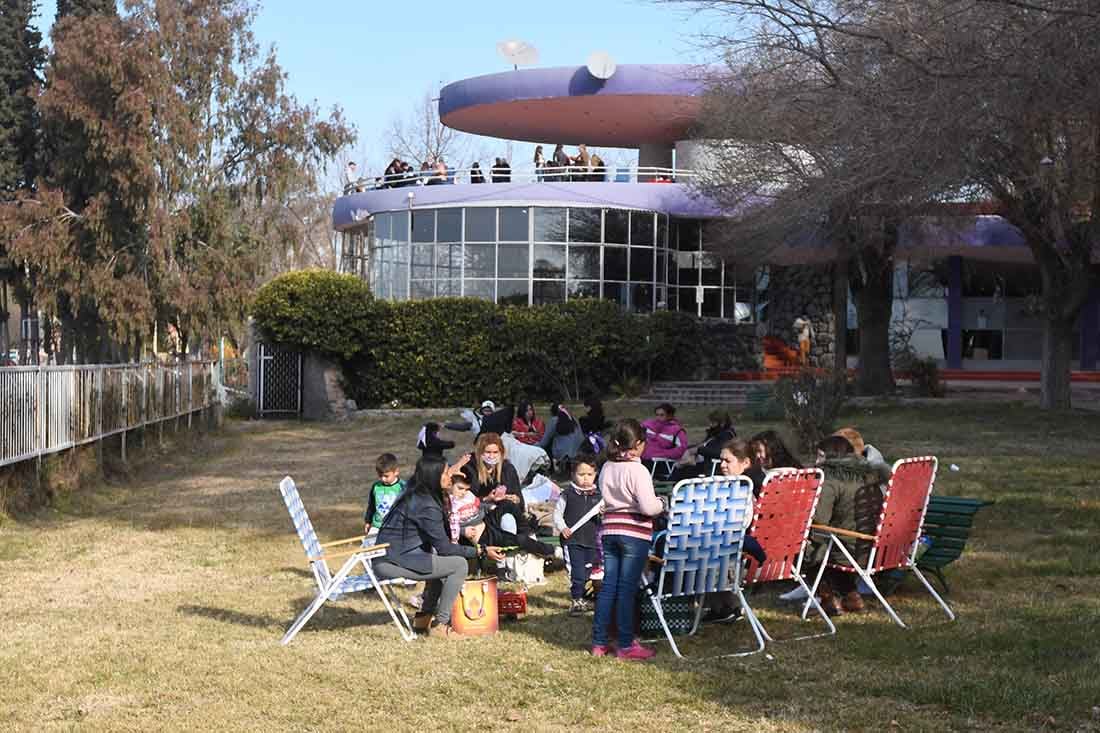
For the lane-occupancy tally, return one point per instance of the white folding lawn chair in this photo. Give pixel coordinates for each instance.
(894, 543)
(707, 519)
(330, 586)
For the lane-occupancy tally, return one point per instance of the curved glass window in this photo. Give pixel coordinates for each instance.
(616, 226)
(523, 255)
(513, 224)
(549, 225)
(585, 225)
(481, 225)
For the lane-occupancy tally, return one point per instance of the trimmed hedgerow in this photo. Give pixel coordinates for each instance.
(450, 351)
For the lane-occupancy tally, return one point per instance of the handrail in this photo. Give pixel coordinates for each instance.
(546, 174)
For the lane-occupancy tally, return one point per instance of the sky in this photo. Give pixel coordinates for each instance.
(376, 59)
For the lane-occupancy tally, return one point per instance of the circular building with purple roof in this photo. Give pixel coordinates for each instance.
(637, 234)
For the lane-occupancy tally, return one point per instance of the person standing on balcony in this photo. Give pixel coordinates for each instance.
(599, 171)
(561, 161)
(540, 163)
(476, 176)
(351, 177)
(582, 163)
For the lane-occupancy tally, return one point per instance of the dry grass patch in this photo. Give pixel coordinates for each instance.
(158, 603)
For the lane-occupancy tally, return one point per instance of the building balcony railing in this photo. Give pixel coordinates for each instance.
(546, 174)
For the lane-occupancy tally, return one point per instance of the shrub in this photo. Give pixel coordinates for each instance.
(924, 375)
(811, 402)
(316, 310)
(451, 351)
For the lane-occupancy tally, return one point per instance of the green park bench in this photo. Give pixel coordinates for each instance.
(947, 523)
(762, 405)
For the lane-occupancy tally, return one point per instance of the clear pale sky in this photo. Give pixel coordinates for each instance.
(373, 58)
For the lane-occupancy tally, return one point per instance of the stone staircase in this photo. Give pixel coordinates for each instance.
(716, 393)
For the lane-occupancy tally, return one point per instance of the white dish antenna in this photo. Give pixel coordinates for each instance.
(518, 53)
(601, 65)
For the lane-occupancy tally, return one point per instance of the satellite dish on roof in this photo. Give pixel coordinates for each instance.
(518, 53)
(601, 65)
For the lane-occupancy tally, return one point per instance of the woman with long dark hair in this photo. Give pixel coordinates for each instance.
(421, 549)
(771, 452)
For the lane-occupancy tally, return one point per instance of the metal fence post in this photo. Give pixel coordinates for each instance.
(124, 417)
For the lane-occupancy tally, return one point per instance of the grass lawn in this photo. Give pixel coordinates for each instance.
(159, 603)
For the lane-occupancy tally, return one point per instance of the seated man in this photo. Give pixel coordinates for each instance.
(847, 477)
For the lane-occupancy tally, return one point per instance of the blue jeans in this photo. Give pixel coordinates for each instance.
(624, 559)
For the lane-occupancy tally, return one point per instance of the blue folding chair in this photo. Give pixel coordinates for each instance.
(331, 587)
(707, 520)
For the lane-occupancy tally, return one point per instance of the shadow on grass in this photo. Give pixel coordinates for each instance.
(330, 618)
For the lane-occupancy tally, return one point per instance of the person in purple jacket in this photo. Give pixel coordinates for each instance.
(665, 437)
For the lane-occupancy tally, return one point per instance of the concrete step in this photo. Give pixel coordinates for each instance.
(717, 393)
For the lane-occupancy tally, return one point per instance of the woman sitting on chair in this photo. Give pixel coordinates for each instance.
(704, 460)
(420, 549)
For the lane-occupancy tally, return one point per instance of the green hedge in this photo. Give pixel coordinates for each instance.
(452, 351)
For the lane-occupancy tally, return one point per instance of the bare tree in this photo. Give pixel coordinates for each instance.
(419, 135)
(863, 112)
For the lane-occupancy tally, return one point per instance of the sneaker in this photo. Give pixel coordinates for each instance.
(723, 613)
(445, 631)
(794, 596)
(852, 602)
(636, 652)
(579, 606)
(600, 650)
(829, 604)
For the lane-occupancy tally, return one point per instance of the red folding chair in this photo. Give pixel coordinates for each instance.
(784, 511)
(894, 543)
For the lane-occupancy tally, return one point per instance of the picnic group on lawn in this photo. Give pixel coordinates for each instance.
(448, 514)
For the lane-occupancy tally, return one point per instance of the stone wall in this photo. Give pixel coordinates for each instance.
(803, 290)
(729, 347)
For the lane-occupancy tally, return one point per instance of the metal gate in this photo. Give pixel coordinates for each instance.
(280, 388)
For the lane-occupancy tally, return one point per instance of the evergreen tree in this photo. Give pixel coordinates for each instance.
(21, 59)
(82, 8)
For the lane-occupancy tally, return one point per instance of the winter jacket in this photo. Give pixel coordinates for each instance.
(415, 529)
(529, 433)
(664, 439)
(572, 505)
(846, 480)
(711, 448)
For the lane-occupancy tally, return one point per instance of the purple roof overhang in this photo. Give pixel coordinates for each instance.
(640, 103)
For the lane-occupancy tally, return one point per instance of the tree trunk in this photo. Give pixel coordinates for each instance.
(1054, 382)
(840, 316)
(874, 306)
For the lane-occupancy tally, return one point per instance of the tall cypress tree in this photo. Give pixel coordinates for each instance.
(21, 60)
(81, 8)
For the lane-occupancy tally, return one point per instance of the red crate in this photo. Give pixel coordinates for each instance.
(512, 602)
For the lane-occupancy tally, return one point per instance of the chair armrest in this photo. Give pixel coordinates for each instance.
(843, 532)
(344, 542)
(373, 550)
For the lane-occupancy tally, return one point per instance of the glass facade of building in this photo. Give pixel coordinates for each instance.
(527, 255)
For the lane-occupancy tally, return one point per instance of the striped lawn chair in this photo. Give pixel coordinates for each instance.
(707, 519)
(331, 587)
(783, 513)
(894, 543)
